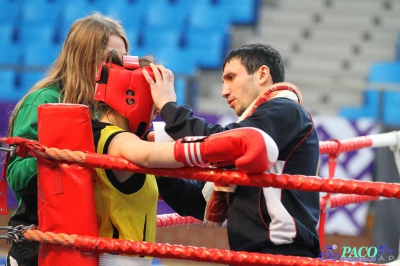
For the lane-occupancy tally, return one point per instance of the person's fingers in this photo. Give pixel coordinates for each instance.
(171, 76)
(166, 73)
(151, 136)
(161, 68)
(147, 77)
(156, 73)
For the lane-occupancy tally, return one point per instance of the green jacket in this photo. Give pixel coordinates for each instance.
(22, 172)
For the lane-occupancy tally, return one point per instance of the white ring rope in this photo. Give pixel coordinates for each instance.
(384, 139)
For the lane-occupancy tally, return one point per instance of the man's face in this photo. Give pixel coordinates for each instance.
(239, 88)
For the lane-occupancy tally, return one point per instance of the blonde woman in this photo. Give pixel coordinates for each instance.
(71, 79)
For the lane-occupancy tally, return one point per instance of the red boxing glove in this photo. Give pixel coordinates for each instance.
(250, 149)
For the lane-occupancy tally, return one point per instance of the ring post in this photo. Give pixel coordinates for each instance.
(65, 190)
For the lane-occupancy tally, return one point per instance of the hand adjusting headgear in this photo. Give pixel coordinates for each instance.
(126, 90)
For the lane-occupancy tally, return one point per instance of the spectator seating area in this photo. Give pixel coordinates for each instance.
(381, 97)
(330, 49)
(183, 35)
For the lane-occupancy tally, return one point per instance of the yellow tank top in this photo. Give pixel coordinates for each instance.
(125, 210)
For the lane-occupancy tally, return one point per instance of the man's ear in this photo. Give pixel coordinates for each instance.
(264, 75)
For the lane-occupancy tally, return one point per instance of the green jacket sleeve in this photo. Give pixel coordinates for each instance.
(21, 170)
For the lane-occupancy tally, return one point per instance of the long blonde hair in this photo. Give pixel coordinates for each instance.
(75, 68)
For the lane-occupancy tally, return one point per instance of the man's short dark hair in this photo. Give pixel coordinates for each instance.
(253, 56)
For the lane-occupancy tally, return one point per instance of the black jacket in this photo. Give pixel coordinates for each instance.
(267, 220)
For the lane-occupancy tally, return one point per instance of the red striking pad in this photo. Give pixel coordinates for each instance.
(65, 190)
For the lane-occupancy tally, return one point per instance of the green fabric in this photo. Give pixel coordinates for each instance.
(21, 170)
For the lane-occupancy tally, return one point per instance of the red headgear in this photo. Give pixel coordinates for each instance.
(126, 90)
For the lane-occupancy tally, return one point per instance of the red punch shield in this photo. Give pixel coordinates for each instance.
(65, 190)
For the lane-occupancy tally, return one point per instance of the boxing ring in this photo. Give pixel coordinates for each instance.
(71, 235)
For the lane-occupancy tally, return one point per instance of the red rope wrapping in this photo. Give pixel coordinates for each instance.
(49, 237)
(166, 220)
(339, 200)
(336, 147)
(200, 254)
(343, 200)
(300, 182)
(161, 250)
(296, 182)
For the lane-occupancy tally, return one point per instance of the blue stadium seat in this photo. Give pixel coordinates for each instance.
(134, 36)
(7, 33)
(129, 19)
(370, 108)
(8, 85)
(165, 15)
(100, 6)
(129, 13)
(186, 6)
(10, 54)
(385, 72)
(119, 3)
(208, 35)
(386, 75)
(208, 48)
(27, 80)
(206, 16)
(9, 12)
(180, 84)
(244, 12)
(40, 12)
(71, 11)
(40, 55)
(179, 61)
(163, 38)
(391, 108)
(33, 33)
(8, 81)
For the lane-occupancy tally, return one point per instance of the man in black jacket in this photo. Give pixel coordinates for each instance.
(260, 219)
